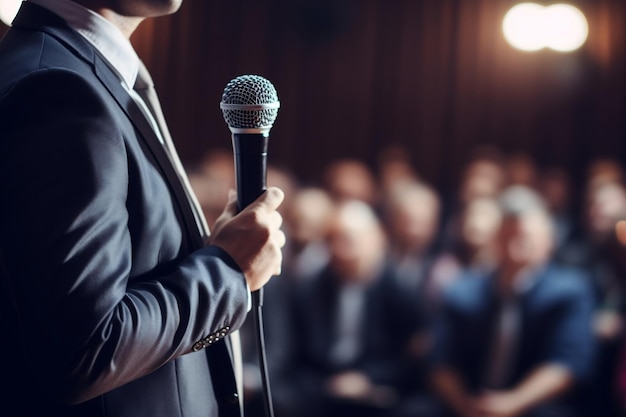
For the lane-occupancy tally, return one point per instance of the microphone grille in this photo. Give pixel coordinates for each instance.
(249, 102)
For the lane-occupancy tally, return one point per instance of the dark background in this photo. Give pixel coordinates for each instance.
(353, 76)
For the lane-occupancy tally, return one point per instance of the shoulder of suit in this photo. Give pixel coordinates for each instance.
(566, 281)
(559, 284)
(469, 291)
(44, 83)
(36, 54)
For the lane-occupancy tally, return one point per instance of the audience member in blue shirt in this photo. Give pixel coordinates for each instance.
(517, 341)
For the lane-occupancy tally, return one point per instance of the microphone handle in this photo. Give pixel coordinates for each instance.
(250, 150)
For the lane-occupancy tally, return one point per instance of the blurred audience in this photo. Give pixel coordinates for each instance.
(306, 224)
(521, 170)
(618, 394)
(598, 251)
(411, 216)
(395, 167)
(473, 252)
(604, 170)
(516, 341)
(381, 269)
(284, 179)
(483, 176)
(210, 180)
(411, 213)
(350, 179)
(555, 186)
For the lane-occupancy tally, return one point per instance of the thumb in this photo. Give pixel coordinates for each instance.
(269, 201)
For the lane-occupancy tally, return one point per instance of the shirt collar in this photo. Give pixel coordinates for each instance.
(523, 283)
(101, 33)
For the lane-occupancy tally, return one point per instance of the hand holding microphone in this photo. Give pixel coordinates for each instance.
(252, 237)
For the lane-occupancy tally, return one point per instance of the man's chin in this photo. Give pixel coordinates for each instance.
(147, 8)
(172, 6)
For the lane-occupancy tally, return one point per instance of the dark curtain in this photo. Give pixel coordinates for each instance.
(353, 76)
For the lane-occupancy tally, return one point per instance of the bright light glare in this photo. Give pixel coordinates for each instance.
(531, 27)
(567, 29)
(8, 10)
(523, 27)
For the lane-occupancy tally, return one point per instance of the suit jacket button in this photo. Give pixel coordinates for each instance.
(233, 399)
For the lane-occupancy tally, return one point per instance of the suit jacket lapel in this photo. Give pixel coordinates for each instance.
(220, 353)
(112, 83)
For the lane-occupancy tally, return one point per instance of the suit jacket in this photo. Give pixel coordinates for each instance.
(555, 326)
(109, 296)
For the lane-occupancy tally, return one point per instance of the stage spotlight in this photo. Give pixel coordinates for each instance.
(8, 10)
(566, 28)
(523, 27)
(531, 27)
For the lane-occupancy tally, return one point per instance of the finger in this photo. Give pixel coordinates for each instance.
(281, 242)
(281, 239)
(279, 262)
(274, 220)
(270, 200)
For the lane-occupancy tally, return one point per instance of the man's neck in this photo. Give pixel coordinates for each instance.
(126, 24)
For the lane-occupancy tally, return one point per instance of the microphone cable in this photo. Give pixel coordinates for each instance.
(257, 313)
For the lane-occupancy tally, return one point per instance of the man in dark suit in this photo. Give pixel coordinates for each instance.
(114, 299)
(353, 327)
(518, 341)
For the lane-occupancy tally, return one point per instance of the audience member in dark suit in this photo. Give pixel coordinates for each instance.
(114, 299)
(411, 215)
(518, 341)
(353, 327)
(472, 251)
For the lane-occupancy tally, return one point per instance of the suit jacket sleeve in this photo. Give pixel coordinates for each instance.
(89, 321)
(573, 344)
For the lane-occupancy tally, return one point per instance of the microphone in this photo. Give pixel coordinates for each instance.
(250, 106)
